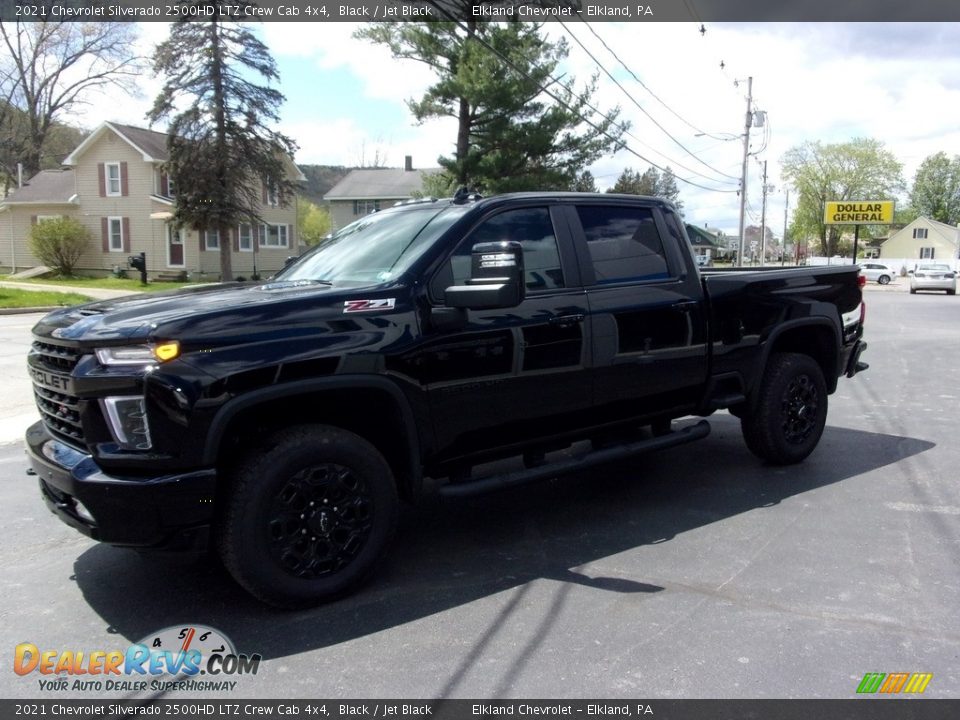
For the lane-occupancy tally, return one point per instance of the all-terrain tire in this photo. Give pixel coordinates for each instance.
(307, 516)
(785, 424)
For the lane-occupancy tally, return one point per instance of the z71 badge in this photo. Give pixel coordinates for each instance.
(352, 306)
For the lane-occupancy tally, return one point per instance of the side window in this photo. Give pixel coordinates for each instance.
(624, 243)
(532, 228)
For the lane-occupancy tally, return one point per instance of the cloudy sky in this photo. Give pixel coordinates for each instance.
(898, 83)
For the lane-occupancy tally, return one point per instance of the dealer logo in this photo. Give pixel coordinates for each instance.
(171, 659)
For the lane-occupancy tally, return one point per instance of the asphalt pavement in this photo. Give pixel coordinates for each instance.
(696, 572)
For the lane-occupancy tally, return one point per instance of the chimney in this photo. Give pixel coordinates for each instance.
(408, 163)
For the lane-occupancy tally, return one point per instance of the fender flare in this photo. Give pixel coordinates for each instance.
(819, 320)
(235, 406)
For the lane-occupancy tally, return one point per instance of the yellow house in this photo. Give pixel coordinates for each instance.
(114, 184)
(923, 239)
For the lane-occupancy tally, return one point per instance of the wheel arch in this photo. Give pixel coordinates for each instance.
(818, 337)
(373, 408)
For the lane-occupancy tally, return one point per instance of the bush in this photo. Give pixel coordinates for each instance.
(59, 243)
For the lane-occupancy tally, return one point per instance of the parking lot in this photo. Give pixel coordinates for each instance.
(696, 572)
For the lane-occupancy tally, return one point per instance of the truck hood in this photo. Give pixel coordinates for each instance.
(173, 313)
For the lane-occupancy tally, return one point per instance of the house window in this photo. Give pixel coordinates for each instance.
(114, 185)
(274, 236)
(211, 239)
(115, 233)
(365, 207)
(44, 218)
(920, 234)
(926, 253)
(171, 187)
(245, 237)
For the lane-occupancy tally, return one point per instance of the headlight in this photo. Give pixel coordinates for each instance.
(138, 354)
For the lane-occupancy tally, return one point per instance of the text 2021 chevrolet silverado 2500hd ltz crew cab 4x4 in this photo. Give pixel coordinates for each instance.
(285, 421)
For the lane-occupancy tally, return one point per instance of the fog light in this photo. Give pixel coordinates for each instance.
(81, 510)
(127, 418)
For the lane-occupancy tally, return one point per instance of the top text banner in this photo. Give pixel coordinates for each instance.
(702, 11)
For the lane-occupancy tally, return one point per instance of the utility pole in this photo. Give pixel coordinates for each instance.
(743, 175)
(763, 219)
(783, 248)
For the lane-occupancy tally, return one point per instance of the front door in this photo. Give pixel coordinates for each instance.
(513, 374)
(174, 247)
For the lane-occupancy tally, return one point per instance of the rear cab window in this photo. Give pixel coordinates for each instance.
(624, 244)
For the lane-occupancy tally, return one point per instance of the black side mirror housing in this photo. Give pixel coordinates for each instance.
(496, 278)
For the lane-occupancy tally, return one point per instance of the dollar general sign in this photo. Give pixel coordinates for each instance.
(874, 212)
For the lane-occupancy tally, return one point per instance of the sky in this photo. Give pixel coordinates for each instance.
(898, 83)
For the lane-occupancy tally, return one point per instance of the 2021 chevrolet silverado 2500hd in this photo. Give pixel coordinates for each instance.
(285, 421)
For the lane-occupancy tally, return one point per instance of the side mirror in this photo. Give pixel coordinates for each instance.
(496, 278)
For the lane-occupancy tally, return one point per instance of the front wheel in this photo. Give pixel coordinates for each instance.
(883, 279)
(788, 419)
(308, 516)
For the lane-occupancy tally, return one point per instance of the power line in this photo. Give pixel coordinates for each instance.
(544, 89)
(643, 110)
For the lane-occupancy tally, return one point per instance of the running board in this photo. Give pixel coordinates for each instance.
(595, 457)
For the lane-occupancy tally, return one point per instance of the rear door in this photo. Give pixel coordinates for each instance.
(649, 329)
(511, 374)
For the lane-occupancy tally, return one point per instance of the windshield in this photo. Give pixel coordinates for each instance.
(374, 249)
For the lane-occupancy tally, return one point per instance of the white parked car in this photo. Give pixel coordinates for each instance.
(934, 276)
(877, 272)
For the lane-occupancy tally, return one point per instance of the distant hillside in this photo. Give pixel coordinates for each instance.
(320, 178)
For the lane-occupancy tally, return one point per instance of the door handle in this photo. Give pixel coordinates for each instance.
(566, 320)
(684, 306)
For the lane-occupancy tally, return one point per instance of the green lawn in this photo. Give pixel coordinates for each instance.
(13, 298)
(109, 283)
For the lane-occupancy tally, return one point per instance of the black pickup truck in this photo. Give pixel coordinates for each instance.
(283, 422)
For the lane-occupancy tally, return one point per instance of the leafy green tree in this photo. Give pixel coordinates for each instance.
(313, 222)
(936, 188)
(223, 155)
(47, 71)
(59, 243)
(490, 77)
(861, 169)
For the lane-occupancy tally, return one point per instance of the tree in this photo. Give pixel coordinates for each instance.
(936, 188)
(223, 157)
(585, 183)
(652, 182)
(313, 222)
(861, 169)
(47, 71)
(493, 79)
(59, 243)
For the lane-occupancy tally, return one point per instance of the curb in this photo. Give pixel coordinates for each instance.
(27, 310)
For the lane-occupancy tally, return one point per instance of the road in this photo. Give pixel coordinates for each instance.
(696, 572)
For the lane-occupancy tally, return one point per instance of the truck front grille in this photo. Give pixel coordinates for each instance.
(59, 410)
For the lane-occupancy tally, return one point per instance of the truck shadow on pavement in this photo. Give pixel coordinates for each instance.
(448, 553)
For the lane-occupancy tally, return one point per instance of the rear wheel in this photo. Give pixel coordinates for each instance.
(883, 279)
(308, 516)
(788, 419)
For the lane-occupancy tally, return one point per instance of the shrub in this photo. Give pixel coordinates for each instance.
(59, 243)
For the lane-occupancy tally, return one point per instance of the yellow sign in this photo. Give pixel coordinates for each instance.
(872, 212)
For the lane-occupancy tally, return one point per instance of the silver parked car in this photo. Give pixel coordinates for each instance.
(877, 272)
(934, 276)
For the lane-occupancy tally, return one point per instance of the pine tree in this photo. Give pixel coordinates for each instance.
(223, 156)
(491, 77)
